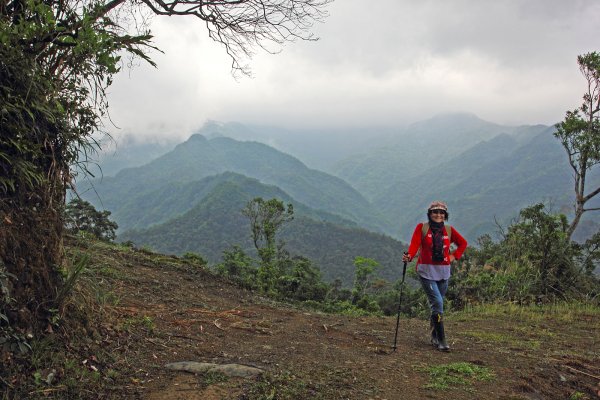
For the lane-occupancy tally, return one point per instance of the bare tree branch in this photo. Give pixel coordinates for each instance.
(242, 25)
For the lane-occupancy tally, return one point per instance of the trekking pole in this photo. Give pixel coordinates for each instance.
(399, 305)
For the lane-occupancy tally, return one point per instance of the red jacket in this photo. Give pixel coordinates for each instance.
(425, 255)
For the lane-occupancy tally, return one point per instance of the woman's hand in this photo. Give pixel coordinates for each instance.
(452, 258)
(405, 257)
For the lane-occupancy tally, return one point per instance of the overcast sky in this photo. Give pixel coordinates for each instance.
(381, 62)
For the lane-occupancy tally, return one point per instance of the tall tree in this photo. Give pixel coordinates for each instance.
(81, 216)
(57, 58)
(364, 270)
(579, 134)
(266, 218)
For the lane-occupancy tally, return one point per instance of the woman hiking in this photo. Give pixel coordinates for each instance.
(432, 241)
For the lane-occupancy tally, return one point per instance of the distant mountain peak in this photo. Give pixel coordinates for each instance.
(452, 119)
(196, 137)
(214, 129)
(457, 115)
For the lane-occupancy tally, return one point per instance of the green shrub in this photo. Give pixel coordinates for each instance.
(534, 262)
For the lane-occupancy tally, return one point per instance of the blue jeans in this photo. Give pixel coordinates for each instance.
(435, 291)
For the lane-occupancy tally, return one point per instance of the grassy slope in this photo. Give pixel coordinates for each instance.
(148, 309)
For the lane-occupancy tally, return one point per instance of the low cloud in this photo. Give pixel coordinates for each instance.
(393, 62)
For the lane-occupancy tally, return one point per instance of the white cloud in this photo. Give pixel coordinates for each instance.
(388, 62)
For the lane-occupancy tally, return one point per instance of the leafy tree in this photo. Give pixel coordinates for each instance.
(364, 269)
(589, 259)
(579, 134)
(81, 216)
(266, 218)
(337, 292)
(57, 58)
(414, 301)
(363, 281)
(303, 282)
(238, 266)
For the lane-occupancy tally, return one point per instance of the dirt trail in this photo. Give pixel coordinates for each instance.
(182, 314)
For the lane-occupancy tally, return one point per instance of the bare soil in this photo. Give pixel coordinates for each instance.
(170, 311)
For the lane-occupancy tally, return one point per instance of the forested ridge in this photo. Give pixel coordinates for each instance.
(199, 158)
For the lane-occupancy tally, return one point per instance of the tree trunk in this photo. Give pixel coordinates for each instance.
(30, 250)
(578, 213)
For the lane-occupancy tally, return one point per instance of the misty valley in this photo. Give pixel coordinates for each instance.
(364, 199)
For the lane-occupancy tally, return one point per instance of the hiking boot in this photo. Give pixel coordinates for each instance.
(434, 339)
(441, 336)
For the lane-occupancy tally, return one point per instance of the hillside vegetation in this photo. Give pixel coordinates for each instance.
(515, 175)
(134, 311)
(215, 224)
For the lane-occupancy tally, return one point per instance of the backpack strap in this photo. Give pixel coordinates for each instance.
(425, 228)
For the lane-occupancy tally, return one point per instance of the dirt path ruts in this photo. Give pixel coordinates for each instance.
(197, 317)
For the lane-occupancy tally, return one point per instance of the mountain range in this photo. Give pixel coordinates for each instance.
(487, 172)
(373, 190)
(200, 157)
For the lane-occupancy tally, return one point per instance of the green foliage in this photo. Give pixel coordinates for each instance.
(589, 257)
(296, 278)
(266, 218)
(577, 396)
(212, 378)
(534, 262)
(303, 282)
(23, 91)
(56, 63)
(363, 275)
(414, 301)
(194, 258)
(238, 266)
(70, 278)
(145, 322)
(362, 289)
(56, 59)
(456, 375)
(81, 216)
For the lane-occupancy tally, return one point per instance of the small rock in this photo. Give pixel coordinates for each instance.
(233, 370)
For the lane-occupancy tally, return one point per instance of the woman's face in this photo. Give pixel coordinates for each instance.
(437, 215)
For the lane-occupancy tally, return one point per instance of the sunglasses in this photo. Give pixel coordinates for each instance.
(438, 212)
